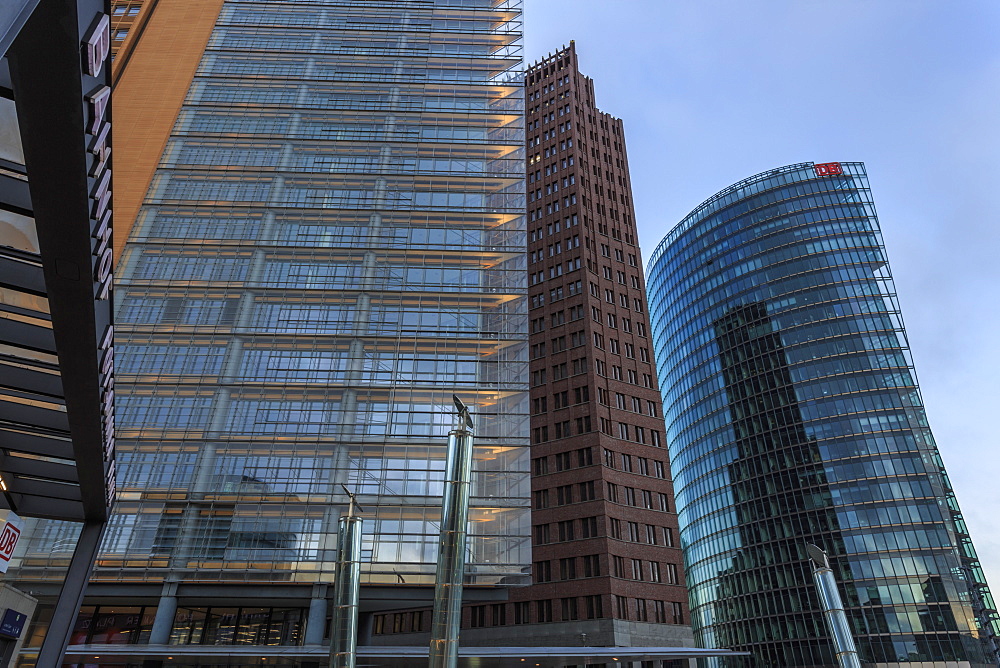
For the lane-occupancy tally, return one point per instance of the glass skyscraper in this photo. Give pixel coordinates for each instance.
(331, 246)
(793, 416)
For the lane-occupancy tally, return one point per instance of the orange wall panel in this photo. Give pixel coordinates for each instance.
(148, 94)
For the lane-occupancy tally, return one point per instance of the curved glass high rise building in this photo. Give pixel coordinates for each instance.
(793, 416)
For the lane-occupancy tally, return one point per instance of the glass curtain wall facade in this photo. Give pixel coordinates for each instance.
(793, 416)
(332, 245)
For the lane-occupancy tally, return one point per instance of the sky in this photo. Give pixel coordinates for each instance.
(714, 91)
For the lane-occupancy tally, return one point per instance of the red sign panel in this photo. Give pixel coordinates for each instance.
(828, 169)
(8, 541)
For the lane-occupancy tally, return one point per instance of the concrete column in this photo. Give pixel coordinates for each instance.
(166, 610)
(70, 595)
(316, 621)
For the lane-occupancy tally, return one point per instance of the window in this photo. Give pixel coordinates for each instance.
(643, 465)
(560, 399)
(651, 534)
(540, 465)
(668, 537)
(543, 611)
(477, 616)
(677, 612)
(616, 528)
(658, 469)
(567, 568)
(591, 566)
(589, 527)
(564, 495)
(609, 458)
(587, 492)
(593, 607)
(633, 532)
(618, 566)
(522, 612)
(630, 496)
(542, 534)
(563, 461)
(627, 463)
(566, 530)
(621, 605)
(498, 612)
(541, 499)
(671, 573)
(569, 611)
(612, 492)
(654, 572)
(647, 499)
(539, 405)
(543, 571)
(641, 610)
(664, 501)
(585, 457)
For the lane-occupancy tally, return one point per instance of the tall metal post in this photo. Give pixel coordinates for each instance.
(447, 617)
(833, 609)
(346, 589)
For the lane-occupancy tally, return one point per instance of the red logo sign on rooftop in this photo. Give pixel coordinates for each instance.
(828, 169)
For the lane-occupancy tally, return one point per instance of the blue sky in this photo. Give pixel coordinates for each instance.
(714, 91)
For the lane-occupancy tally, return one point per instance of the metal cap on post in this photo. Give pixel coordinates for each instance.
(447, 616)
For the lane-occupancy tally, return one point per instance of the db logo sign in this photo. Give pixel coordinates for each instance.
(8, 541)
(9, 535)
(828, 169)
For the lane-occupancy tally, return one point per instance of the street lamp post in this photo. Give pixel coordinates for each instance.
(346, 588)
(447, 616)
(833, 609)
